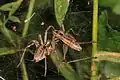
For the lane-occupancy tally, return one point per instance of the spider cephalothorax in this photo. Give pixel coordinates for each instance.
(43, 50)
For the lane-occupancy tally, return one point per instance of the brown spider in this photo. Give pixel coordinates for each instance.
(67, 39)
(46, 47)
(43, 48)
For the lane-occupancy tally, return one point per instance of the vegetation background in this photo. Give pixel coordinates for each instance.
(21, 21)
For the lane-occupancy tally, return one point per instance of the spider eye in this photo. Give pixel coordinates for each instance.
(59, 32)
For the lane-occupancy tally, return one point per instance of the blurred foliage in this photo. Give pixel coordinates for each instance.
(75, 16)
(109, 39)
(114, 5)
(10, 36)
(10, 41)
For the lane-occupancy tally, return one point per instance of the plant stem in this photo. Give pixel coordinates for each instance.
(108, 56)
(27, 21)
(24, 33)
(24, 71)
(94, 38)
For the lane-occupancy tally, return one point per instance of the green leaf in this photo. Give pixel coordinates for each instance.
(102, 32)
(113, 4)
(108, 38)
(5, 51)
(64, 68)
(116, 8)
(61, 7)
(39, 3)
(7, 7)
(108, 3)
(11, 7)
(1, 23)
(111, 70)
(15, 6)
(14, 19)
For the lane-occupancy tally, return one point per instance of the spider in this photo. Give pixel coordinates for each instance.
(43, 48)
(47, 47)
(67, 39)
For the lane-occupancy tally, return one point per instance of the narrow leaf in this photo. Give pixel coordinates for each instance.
(14, 19)
(61, 7)
(11, 7)
(7, 7)
(5, 51)
(15, 6)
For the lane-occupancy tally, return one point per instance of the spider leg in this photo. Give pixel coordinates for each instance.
(36, 43)
(77, 60)
(65, 50)
(53, 42)
(45, 37)
(24, 54)
(87, 42)
(63, 28)
(45, 67)
(71, 29)
(41, 40)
